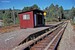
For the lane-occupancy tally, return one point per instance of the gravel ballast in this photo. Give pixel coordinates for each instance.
(68, 39)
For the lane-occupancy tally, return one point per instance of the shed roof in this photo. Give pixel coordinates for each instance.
(31, 10)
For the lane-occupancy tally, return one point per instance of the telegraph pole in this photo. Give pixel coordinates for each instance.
(14, 16)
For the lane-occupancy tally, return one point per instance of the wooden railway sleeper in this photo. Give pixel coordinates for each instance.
(25, 45)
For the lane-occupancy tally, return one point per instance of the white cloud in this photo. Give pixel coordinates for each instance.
(5, 1)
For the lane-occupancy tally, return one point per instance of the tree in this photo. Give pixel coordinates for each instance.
(26, 9)
(31, 7)
(61, 14)
(72, 12)
(55, 12)
(67, 14)
(51, 10)
(56, 7)
(35, 6)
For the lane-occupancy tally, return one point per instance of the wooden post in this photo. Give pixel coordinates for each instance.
(14, 16)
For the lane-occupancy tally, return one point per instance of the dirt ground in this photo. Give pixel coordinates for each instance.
(9, 29)
(68, 39)
(73, 27)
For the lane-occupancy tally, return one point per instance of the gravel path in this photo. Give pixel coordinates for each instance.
(68, 40)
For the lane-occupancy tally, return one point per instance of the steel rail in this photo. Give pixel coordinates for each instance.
(55, 37)
(27, 44)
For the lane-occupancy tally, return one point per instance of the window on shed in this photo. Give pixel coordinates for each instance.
(26, 17)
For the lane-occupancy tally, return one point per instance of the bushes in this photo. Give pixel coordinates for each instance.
(72, 22)
(50, 19)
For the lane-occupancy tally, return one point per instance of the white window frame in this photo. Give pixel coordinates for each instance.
(26, 17)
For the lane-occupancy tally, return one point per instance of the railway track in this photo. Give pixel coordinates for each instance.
(46, 41)
(49, 42)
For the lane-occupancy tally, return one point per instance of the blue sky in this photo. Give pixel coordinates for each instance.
(19, 4)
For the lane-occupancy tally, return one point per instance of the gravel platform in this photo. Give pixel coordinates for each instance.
(68, 39)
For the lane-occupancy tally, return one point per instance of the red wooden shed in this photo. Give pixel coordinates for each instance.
(31, 19)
